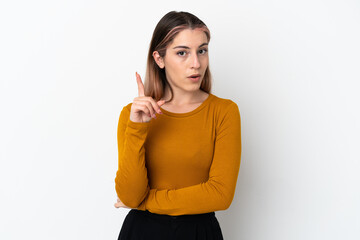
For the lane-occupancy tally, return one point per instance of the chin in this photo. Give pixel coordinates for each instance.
(194, 89)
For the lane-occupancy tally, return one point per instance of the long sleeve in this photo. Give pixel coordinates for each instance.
(218, 191)
(131, 182)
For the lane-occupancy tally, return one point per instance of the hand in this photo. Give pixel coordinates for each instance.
(120, 204)
(144, 108)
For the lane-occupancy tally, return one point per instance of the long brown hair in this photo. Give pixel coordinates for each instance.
(165, 31)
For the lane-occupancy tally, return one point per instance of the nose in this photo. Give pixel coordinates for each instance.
(195, 63)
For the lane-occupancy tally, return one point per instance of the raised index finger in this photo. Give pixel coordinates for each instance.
(141, 90)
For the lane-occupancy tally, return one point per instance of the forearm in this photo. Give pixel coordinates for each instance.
(131, 182)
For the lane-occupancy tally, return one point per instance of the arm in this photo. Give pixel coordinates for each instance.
(215, 194)
(131, 182)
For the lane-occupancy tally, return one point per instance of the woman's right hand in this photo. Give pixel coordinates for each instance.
(144, 108)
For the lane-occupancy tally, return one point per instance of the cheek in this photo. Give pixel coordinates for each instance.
(204, 64)
(173, 70)
(175, 66)
(206, 60)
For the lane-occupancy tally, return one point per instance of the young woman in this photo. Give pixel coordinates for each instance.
(179, 145)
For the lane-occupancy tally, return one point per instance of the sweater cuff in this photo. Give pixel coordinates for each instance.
(138, 127)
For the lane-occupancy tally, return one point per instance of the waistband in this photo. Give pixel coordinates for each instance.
(164, 217)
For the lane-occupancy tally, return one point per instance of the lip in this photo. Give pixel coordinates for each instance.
(195, 79)
(195, 75)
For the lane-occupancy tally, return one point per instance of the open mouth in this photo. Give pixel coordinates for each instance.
(195, 77)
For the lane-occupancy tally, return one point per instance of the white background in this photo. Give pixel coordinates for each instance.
(68, 68)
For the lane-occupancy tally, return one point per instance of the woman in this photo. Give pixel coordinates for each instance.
(179, 145)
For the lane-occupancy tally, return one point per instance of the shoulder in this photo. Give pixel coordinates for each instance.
(226, 114)
(223, 106)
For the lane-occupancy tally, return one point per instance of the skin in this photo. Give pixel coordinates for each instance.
(179, 64)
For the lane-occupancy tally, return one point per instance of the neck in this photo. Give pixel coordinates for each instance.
(183, 97)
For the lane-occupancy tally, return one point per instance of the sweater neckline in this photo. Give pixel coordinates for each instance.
(202, 105)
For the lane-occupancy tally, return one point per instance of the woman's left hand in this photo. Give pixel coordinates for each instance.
(120, 204)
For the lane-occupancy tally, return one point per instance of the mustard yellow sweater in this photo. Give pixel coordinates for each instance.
(180, 163)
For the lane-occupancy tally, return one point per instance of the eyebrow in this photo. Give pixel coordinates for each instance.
(189, 48)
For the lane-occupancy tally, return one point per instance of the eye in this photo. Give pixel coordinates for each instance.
(178, 53)
(204, 51)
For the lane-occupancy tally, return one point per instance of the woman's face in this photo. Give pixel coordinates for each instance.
(185, 56)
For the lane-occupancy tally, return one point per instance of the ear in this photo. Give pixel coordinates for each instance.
(158, 59)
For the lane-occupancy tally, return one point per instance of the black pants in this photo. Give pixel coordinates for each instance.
(145, 225)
